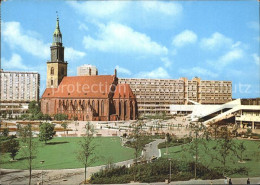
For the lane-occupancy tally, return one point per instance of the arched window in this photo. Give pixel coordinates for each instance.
(102, 108)
(119, 108)
(51, 82)
(93, 104)
(52, 71)
(125, 108)
(75, 105)
(83, 104)
(97, 107)
(47, 108)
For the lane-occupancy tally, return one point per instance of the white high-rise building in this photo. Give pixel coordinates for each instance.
(87, 70)
(17, 90)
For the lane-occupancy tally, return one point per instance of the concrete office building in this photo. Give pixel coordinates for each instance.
(87, 70)
(17, 90)
(155, 96)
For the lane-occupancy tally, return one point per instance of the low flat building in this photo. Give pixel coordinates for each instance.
(154, 96)
(241, 112)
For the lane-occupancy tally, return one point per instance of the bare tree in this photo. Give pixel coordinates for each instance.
(86, 153)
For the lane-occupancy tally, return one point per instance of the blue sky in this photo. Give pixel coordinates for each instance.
(214, 40)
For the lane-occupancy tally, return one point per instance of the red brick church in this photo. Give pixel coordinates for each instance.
(93, 98)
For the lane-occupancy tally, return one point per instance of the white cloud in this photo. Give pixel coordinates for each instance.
(184, 38)
(116, 37)
(216, 41)
(99, 10)
(156, 73)
(14, 63)
(256, 58)
(72, 54)
(15, 37)
(111, 9)
(167, 8)
(83, 26)
(198, 71)
(142, 13)
(254, 25)
(123, 70)
(228, 58)
(166, 61)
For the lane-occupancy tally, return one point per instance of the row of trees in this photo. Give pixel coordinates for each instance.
(220, 148)
(27, 145)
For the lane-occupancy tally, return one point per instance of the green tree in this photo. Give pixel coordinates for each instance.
(34, 107)
(224, 150)
(60, 117)
(46, 117)
(65, 126)
(248, 131)
(241, 149)
(86, 153)
(38, 116)
(197, 134)
(5, 132)
(138, 139)
(11, 146)
(29, 148)
(46, 132)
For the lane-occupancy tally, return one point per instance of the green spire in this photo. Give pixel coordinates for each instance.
(57, 36)
(57, 30)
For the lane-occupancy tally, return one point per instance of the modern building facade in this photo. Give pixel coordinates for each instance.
(245, 113)
(87, 70)
(155, 96)
(17, 90)
(92, 98)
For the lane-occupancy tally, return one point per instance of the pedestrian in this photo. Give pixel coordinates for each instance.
(230, 182)
(225, 180)
(248, 181)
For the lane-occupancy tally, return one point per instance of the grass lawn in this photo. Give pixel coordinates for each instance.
(251, 157)
(60, 153)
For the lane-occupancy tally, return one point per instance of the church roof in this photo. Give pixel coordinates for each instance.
(82, 87)
(123, 91)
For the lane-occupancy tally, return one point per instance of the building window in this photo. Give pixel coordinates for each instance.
(102, 108)
(93, 104)
(125, 108)
(52, 71)
(51, 82)
(47, 108)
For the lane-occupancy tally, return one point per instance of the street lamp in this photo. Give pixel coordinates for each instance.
(42, 161)
(170, 170)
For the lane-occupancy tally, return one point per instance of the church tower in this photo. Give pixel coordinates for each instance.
(57, 67)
